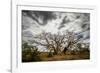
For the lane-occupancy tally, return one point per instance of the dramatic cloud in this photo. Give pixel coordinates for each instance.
(41, 17)
(35, 22)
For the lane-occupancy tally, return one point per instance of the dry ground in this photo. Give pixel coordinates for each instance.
(44, 56)
(80, 56)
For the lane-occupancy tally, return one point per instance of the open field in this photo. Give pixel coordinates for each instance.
(44, 56)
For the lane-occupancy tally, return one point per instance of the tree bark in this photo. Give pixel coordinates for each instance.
(66, 48)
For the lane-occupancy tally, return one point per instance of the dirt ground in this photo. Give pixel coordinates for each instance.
(65, 57)
(44, 56)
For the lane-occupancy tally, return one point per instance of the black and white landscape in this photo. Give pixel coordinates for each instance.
(55, 36)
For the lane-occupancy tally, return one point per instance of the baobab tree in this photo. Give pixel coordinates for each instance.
(57, 43)
(52, 42)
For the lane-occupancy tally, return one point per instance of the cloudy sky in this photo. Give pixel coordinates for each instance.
(35, 22)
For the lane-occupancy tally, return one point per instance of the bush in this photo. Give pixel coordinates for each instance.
(28, 55)
(50, 55)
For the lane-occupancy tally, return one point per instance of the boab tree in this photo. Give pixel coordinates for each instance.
(57, 43)
(53, 42)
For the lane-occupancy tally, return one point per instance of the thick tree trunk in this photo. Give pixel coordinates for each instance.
(55, 52)
(66, 48)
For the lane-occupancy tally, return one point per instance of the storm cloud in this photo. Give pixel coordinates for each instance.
(35, 22)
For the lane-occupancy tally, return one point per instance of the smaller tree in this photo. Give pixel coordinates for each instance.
(25, 45)
(30, 53)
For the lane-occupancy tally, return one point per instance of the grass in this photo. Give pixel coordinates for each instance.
(43, 56)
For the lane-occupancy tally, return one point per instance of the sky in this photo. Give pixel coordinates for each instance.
(36, 22)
